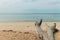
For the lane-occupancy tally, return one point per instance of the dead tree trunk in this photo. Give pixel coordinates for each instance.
(40, 33)
(50, 31)
(38, 28)
(49, 34)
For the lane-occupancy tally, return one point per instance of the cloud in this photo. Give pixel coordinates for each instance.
(31, 5)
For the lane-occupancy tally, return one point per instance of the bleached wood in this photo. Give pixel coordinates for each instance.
(40, 33)
(38, 28)
(50, 30)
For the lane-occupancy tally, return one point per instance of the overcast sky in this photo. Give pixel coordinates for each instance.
(29, 6)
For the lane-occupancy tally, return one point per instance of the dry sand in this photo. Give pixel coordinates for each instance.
(23, 30)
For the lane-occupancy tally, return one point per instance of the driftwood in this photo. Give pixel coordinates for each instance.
(50, 31)
(40, 33)
(49, 34)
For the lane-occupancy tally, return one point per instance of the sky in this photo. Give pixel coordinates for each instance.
(46, 9)
(29, 6)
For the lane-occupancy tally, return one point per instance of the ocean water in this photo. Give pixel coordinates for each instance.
(30, 16)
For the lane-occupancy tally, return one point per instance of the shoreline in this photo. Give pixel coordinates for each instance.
(30, 21)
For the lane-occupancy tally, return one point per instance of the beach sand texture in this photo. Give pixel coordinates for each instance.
(23, 30)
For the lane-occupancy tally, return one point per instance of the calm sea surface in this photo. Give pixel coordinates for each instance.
(30, 16)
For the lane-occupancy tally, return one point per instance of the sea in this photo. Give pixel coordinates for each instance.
(30, 17)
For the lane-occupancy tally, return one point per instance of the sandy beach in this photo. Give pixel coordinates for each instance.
(23, 30)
